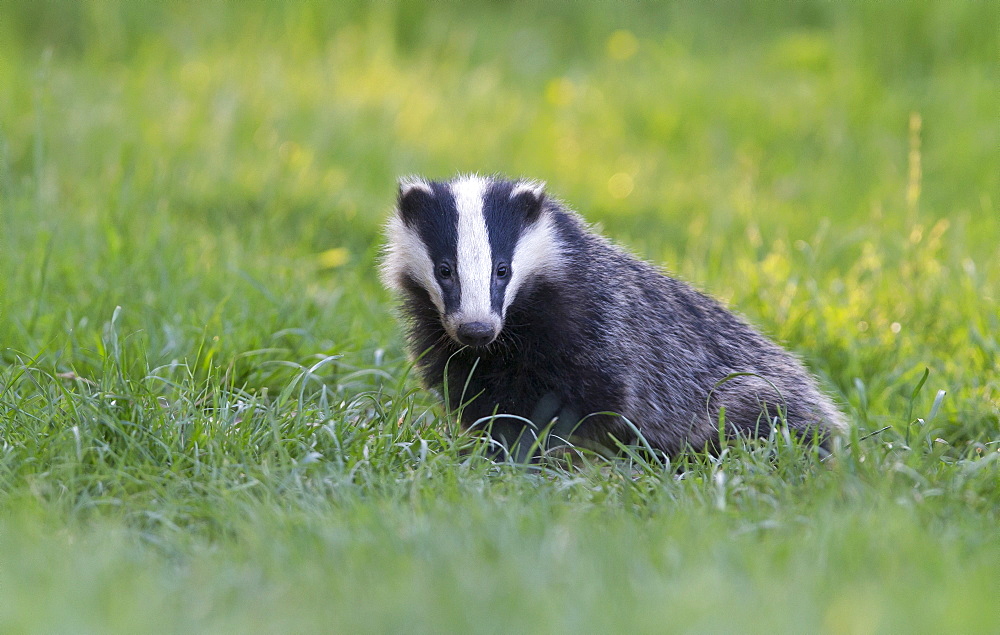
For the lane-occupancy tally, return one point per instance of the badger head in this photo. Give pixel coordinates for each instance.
(471, 244)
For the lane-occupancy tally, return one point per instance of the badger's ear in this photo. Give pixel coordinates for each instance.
(414, 196)
(530, 194)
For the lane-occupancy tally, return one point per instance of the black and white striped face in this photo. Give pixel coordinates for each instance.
(471, 243)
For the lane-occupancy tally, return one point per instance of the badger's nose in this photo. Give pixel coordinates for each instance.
(475, 333)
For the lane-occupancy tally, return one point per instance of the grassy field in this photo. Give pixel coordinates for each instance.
(207, 421)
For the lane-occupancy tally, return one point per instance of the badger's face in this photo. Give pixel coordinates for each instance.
(471, 244)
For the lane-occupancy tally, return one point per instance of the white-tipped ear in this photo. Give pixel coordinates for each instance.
(409, 183)
(535, 188)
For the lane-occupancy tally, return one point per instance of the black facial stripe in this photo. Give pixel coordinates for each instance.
(506, 219)
(436, 220)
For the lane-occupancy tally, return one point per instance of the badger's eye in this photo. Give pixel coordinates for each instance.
(444, 271)
(502, 271)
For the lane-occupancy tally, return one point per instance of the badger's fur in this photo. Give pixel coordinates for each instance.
(518, 308)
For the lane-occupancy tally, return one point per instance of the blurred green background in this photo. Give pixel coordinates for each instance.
(203, 165)
(191, 197)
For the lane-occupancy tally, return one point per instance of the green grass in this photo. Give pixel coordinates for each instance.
(207, 420)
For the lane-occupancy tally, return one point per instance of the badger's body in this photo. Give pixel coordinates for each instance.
(517, 308)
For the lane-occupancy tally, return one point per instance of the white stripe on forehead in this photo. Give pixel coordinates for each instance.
(475, 257)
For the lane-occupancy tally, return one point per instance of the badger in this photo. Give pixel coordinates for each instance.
(528, 320)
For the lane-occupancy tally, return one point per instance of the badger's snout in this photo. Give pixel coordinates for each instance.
(475, 333)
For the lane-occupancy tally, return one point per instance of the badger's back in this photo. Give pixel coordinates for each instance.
(575, 326)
